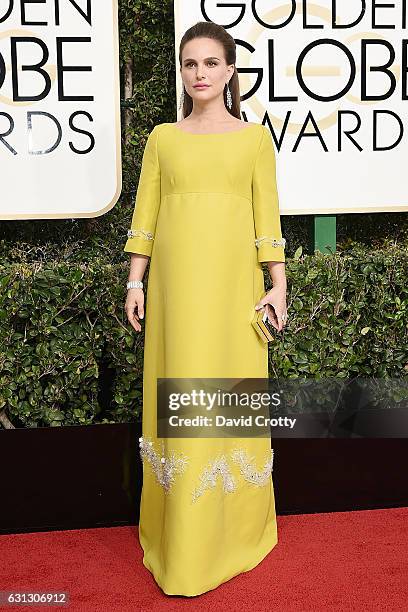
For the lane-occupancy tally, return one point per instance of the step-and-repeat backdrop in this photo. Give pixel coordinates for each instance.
(59, 109)
(328, 78)
(330, 81)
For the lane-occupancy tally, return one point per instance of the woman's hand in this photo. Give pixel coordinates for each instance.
(135, 303)
(275, 297)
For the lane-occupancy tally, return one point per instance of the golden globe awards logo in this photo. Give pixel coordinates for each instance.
(59, 108)
(364, 71)
(329, 78)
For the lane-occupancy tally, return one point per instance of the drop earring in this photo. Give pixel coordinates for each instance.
(229, 97)
(181, 99)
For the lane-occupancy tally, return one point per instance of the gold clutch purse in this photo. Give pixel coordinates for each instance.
(263, 326)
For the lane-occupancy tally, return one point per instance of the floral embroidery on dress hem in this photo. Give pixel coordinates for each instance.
(220, 466)
(132, 233)
(208, 478)
(273, 241)
(164, 468)
(248, 469)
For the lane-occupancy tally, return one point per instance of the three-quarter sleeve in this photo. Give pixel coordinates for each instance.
(143, 225)
(268, 241)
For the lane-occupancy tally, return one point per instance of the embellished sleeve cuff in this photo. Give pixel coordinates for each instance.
(139, 241)
(270, 249)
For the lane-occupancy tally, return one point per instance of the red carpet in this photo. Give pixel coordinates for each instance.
(343, 561)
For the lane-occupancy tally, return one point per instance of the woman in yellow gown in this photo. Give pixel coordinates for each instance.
(207, 215)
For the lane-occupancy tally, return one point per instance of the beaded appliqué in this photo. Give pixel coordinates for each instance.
(165, 468)
(248, 469)
(208, 478)
(141, 233)
(220, 467)
(271, 240)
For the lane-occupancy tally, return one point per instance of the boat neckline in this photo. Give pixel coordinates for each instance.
(214, 133)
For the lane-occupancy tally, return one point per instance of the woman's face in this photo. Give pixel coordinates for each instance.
(203, 62)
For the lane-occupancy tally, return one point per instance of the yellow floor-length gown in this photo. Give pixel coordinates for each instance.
(207, 214)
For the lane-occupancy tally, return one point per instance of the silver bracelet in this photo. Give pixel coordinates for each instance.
(134, 284)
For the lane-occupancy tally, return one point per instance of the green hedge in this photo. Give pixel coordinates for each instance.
(63, 324)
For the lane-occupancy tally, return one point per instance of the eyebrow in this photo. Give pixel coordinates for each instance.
(190, 59)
